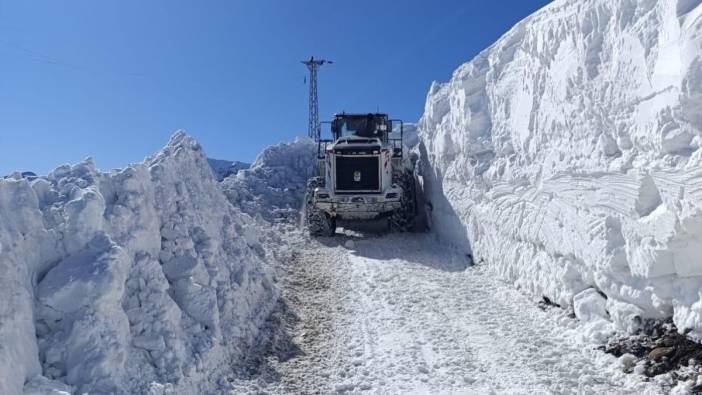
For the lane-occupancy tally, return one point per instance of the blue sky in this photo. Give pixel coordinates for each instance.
(113, 79)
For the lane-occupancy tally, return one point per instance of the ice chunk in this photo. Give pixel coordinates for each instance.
(590, 305)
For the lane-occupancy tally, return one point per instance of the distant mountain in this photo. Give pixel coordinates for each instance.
(224, 168)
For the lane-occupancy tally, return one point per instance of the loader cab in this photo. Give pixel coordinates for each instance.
(361, 125)
(371, 127)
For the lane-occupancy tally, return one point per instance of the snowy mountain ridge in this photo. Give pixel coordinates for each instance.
(567, 155)
(131, 281)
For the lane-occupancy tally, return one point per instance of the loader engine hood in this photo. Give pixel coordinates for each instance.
(357, 146)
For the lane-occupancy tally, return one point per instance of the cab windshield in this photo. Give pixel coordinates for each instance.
(360, 127)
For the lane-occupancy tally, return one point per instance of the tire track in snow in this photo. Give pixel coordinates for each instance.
(403, 314)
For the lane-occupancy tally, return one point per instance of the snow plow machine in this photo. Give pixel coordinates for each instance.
(363, 174)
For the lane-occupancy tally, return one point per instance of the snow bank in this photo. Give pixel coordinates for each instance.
(274, 187)
(567, 156)
(118, 282)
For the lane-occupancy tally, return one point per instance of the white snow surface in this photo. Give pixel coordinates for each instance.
(138, 280)
(567, 157)
(274, 187)
(405, 314)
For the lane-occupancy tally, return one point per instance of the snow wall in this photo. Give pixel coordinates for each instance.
(567, 157)
(131, 281)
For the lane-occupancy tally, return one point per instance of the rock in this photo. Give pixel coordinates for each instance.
(656, 369)
(349, 244)
(658, 353)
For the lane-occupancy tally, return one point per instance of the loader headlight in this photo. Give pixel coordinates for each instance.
(391, 195)
(322, 196)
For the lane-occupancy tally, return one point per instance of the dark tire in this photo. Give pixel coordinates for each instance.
(319, 223)
(403, 219)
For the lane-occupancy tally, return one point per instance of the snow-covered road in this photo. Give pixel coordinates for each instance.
(402, 314)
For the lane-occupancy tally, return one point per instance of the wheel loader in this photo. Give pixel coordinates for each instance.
(363, 174)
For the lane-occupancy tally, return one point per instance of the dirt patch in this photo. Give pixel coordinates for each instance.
(660, 349)
(276, 345)
(545, 303)
(296, 343)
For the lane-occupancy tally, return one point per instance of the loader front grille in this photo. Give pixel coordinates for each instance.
(357, 174)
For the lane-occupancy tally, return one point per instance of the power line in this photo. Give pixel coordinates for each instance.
(51, 60)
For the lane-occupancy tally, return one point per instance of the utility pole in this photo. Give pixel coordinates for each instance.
(314, 128)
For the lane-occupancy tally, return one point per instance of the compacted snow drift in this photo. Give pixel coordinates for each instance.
(274, 186)
(567, 156)
(142, 279)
